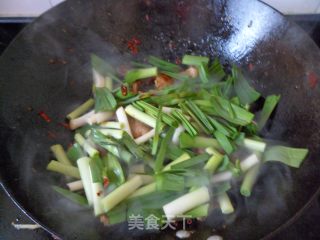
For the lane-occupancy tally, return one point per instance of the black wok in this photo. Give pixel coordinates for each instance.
(46, 69)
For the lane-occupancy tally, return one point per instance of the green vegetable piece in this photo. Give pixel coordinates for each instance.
(169, 182)
(163, 65)
(137, 74)
(194, 60)
(292, 157)
(75, 152)
(186, 141)
(244, 91)
(165, 142)
(114, 169)
(224, 142)
(103, 68)
(191, 162)
(104, 100)
(74, 197)
(268, 107)
(249, 180)
(156, 137)
(201, 211)
(67, 170)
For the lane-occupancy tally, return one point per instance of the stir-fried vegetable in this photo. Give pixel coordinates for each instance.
(172, 149)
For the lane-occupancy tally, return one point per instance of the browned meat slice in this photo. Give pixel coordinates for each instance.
(191, 72)
(163, 81)
(137, 128)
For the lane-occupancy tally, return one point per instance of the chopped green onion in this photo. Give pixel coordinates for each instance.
(165, 142)
(169, 182)
(249, 180)
(155, 141)
(134, 148)
(153, 111)
(224, 142)
(123, 119)
(191, 162)
(163, 65)
(81, 109)
(186, 141)
(182, 158)
(67, 170)
(114, 169)
(244, 91)
(214, 161)
(185, 122)
(197, 212)
(225, 203)
(79, 139)
(115, 133)
(194, 60)
(121, 193)
(60, 154)
(173, 152)
(84, 169)
(141, 116)
(118, 214)
(249, 162)
(104, 100)
(137, 74)
(254, 145)
(103, 68)
(75, 152)
(74, 197)
(200, 115)
(75, 186)
(144, 138)
(203, 73)
(186, 202)
(269, 105)
(97, 191)
(292, 157)
(152, 187)
(216, 70)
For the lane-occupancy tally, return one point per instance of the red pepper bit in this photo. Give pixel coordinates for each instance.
(44, 116)
(133, 44)
(250, 67)
(147, 18)
(65, 125)
(313, 80)
(51, 135)
(189, 221)
(105, 182)
(124, 90)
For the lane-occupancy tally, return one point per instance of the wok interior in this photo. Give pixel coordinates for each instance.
(242, 32)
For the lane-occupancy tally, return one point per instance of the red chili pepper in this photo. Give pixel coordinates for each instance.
(147, 17)
(178, 61)
(65, 125)
(133, 44)
(44, 116)
(189, 221)
(313, 80)
(124, 90)
(105, 182)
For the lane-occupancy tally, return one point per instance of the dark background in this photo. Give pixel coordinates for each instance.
(305, 227)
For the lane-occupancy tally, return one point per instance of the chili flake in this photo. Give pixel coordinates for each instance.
(313, 80)
(133, 44)
(124, 90)
(44, 116)
(65, 125)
